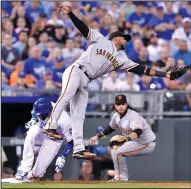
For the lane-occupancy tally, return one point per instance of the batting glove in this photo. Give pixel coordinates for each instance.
(30, 123)
(60, 162)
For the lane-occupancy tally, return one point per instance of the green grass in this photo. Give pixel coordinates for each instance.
(100, 185)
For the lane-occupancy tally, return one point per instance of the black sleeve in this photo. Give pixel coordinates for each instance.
(138, 132)
(107, 131)
(79, 24)
(139, 69)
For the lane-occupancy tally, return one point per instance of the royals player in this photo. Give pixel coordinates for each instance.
(140, 137)
(49, 149)
(102, 56)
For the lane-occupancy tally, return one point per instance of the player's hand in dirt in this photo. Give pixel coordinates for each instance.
(93, 139)
(64, 9)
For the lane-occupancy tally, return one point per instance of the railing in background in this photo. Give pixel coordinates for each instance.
(151, 104)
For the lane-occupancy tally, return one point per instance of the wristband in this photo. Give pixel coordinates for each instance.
(129, 138)
(160, 74)
(100, 135)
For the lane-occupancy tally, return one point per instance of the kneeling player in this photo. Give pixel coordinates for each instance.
(139, 138)
(49, 148)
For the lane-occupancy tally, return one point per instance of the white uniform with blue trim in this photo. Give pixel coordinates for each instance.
(49, 148)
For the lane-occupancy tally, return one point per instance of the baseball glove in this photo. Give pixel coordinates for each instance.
(177, 72)
(117, 141)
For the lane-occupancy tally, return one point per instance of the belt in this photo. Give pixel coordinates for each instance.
(84, 70)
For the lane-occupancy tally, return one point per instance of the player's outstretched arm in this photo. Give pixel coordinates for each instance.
(107, 131)
(60, 161)
(76, 21)
(172, 74)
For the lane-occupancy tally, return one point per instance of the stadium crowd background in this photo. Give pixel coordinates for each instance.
(38, 44)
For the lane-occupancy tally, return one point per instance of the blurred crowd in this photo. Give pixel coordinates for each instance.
(38, 43)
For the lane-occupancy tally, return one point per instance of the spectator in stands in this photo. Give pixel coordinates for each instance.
(98, 14)
(7, 172)
(70, 52)
(129, 84)
(8, 28)
(86, 171)
(15, 74)
(107, 20)
(143, 57)
(38, 26)
(128, 8)
(43, 40)
(183, 9)
(20, 12)
(149, 83)
(18, 88)
(57, 176)
(21, 25)
(21, 82)
(53, 52)
(134, 53)
(33, 10)
(54, 20)
(95, 25)
(60, 35)
(49, 85)
(169, 12)
(46, 75)
(154, 47)
(22, 42)
(162, 25)
(170, 63)
(31, 42)
(114, 11)
(35, 65)
(183, 33)
(178, 20)
(9, 54)
(138, 17)
(58, 71)
(112, 29)
(111, 83)
(183, 53)
(5, 89)
(164, 54)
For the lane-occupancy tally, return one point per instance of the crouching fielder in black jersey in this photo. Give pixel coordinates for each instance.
(138, 138)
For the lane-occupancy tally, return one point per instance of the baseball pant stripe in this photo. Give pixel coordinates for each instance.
(125, 153)
(61, 96)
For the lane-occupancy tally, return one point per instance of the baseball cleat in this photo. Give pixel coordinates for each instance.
(21, 175)
(84, 155)
(52, 134)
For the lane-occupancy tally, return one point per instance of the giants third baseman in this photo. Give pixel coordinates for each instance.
(102, 56)
(138, 138)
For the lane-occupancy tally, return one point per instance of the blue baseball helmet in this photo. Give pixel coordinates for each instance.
(100, 129)
(42, 107)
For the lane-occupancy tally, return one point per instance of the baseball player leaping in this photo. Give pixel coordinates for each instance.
(102, 56)
(138, 138)
(49, 149)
